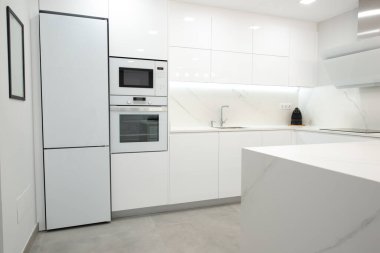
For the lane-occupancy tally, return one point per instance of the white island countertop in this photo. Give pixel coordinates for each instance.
(360, 159)
(321, 198)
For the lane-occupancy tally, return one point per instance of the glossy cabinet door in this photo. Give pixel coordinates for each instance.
(303, 58)
(94, 8)
(230, 150)
(270, 70)
(139, 180)
(193, 167)
(189, 25)
(271, 39)
(189, 65)
(231, 31)
(138, 28)
(278, 138)
(229, 67)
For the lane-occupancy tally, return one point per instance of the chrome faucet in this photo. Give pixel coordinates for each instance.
(222, 120)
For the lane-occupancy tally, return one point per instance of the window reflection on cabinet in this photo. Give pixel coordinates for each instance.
(189, 65)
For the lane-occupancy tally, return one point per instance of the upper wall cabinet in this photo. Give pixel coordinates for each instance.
(303, 58)
(138, 28)
(270, 70)
(271, 39)
(228, 67)
(189, 26)
(188, 64)
(96, 8)
(232, 31)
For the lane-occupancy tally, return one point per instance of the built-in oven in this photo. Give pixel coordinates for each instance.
(138, 124)
(134, 77)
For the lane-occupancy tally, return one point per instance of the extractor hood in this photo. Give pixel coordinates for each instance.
(368, 19)
(356, 64)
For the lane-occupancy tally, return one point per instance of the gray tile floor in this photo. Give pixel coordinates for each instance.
(208, 230)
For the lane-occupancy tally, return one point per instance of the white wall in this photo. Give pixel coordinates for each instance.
(326, 106)
(16, 139)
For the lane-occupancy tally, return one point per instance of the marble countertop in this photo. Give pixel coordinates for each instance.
(359, 159)
(174, 130)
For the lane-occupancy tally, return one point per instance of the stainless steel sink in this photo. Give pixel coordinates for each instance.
(229, 127)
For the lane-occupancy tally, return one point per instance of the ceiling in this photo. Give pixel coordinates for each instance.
(318, 11)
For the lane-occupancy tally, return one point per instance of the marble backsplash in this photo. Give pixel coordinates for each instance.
(327, 106)
(196, 104)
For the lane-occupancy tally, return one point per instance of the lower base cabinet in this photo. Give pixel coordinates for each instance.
(193, 167)
(201, 166)
(139, 180)
(230, 150)
(277, 138)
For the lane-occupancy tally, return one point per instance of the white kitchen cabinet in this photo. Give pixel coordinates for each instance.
(229, 67)
(320, 138)
(277, 138)
(270, 70)
(193, 167)
(96, 8)
(230, 150)
(231, 31)
(303, 58)
(187, 64)
(271, 39)
(189, 25)
(139, 180)
(138, 28)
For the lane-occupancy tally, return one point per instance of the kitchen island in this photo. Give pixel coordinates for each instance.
(311, 198)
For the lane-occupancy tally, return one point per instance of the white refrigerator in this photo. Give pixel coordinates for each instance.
(75, 112)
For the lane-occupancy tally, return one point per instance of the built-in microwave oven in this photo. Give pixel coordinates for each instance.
(135, 77)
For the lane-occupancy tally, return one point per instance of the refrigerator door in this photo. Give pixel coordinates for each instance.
(74, 69)
(77, 183)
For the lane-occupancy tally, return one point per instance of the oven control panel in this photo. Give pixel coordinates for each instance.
(138, 100)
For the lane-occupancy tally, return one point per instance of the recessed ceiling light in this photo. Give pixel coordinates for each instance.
(189, 19)
(369, 13)
(254, 27)
(140, 50)
(306, 2)
(153, 32)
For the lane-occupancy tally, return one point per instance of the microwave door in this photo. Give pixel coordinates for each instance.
(131, 77)
(136, 78)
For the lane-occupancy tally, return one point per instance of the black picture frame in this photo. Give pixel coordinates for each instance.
(11, 17)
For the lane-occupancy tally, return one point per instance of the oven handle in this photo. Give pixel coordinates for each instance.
(139, 108)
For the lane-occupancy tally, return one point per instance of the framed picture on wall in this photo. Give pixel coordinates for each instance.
(16, 57)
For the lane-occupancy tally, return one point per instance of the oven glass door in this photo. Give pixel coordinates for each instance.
(135, 78)
(138, 129)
